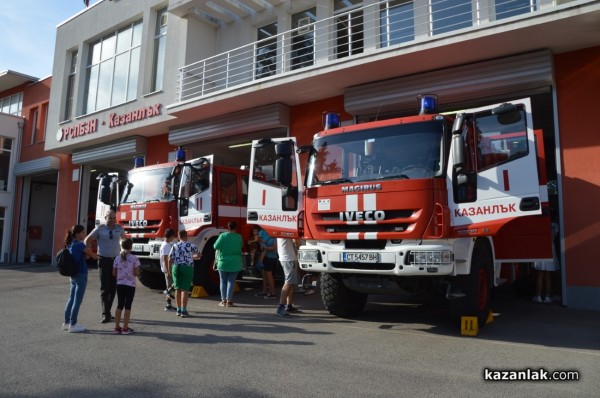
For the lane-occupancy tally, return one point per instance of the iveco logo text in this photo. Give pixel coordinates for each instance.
(369, 215)
(362, 188)
(138, 223)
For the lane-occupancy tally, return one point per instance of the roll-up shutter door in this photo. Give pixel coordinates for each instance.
(496, 78)
(43, 165)
(129, 147)
(256, 119)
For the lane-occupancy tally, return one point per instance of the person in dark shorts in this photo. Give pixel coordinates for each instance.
(181, 263)
(126, 269)
(269, 259)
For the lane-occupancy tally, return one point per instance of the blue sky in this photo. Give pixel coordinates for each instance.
(28, 33)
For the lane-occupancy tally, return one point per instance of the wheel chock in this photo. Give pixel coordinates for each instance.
(469, 326)
(198, 292)
(490, 317)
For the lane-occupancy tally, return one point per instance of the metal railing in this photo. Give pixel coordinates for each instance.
(372, 28)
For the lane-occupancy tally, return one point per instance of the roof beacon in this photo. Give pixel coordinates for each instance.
(180, 155)
(139, 161)
(427, 104)
(331, 120)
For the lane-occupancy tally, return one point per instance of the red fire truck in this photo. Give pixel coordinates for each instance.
(434, 201)
(197, 196)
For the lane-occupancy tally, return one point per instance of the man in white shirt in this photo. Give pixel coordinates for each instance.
(165, 249)
(287, 249)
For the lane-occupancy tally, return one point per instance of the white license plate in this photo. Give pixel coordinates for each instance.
(137, 248)
(361, 257)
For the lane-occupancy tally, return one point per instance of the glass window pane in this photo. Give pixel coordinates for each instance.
(104, 84)
(14, 104)
(266, 51)
(134, 70)
(120, 79)
(7, 144)
(159, 63)
(397, 22)
(510, 8)
(449, 15)
(343, 4)
(94, 55)
(303, 39)
(137, 34)
(124, 40)
(108, 47)
(92, 89)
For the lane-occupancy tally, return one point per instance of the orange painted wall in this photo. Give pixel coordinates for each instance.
(306, 119)
(577, 84)
(67, 204)
(157, 149)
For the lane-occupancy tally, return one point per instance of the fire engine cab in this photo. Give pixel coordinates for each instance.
(194, 195)
(391, 207)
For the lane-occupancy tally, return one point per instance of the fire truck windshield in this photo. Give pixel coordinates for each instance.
(401, 151)
(148, 186)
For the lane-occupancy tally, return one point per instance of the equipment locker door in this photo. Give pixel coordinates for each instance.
(275, 188)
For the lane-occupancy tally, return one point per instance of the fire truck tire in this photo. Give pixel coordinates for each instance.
(477, 286)
(338, 299)
(152, 280)
(204, 275)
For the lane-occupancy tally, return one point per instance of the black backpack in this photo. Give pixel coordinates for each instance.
(66, 263)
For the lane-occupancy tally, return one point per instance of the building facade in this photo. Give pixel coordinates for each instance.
(145, 77)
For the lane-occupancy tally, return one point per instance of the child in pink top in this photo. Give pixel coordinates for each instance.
(125, 268)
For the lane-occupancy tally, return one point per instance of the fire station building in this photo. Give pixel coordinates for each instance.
(141, 78)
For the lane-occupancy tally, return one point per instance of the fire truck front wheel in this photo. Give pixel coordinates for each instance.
(338, 299)
(152, 279)
(476, 287)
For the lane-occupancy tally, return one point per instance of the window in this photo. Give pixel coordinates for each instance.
(349, 28)
(34, 122)
(5, 152)
(397, 22)
(113, 67)
(228, 189)
(510, 8)
(2, 215)
(266, 51)
(45, 121)
(160, 39)
(303, 46)
(13, 104)
(70, 87)
(449, 15)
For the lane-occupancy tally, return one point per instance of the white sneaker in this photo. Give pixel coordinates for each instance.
(65, 326)
(537, 300)
(77, 328)
(547, 300)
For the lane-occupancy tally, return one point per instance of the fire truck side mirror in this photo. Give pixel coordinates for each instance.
(458, 150)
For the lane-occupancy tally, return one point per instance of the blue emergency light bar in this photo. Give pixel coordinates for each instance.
(331, 120)
(139, 161)
(180, 155)
(427, 104)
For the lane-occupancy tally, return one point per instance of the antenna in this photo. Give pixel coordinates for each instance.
(378, 110)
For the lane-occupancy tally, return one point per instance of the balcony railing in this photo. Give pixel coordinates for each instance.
(372, 28)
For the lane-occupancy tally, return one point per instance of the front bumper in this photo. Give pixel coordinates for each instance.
(408, 258)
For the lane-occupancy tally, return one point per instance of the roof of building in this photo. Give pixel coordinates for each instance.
(10, 79)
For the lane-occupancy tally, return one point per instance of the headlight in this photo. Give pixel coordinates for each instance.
(309, 256)
(430, 257)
